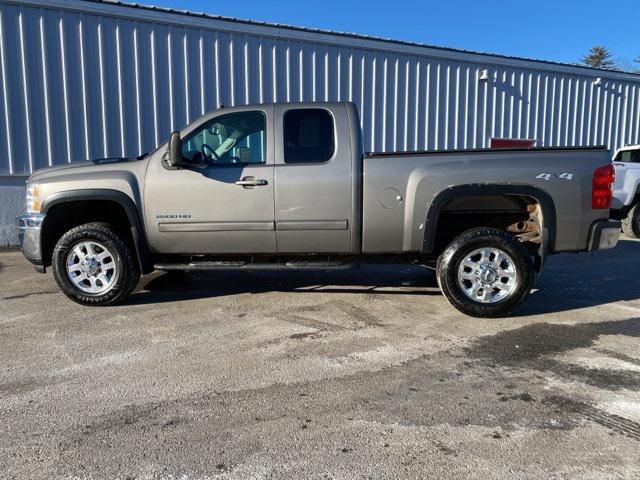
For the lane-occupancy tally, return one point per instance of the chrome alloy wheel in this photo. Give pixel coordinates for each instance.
(487, 275)
(92, 268)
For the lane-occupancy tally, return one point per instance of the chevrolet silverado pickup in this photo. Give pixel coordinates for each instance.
(626, 189)
(289, 186)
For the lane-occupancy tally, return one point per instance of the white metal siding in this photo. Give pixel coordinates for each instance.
(81, 80)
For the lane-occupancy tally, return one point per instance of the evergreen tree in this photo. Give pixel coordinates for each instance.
(599, 57)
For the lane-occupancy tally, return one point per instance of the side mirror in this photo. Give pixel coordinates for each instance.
(174, 151)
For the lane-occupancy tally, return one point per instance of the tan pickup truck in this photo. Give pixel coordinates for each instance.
(289, 186)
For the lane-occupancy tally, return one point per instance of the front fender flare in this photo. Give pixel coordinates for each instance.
(137, 229)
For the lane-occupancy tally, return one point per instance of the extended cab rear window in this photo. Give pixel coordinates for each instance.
(629, 156)
(308, 135)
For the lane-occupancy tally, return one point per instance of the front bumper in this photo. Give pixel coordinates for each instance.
(30, 227)
(604, 235)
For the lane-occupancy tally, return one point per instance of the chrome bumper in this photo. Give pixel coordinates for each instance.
(604, 235)
(30, 227)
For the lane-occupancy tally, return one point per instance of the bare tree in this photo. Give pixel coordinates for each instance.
(626, 65)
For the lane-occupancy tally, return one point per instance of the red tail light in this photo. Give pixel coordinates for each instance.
(602, 193)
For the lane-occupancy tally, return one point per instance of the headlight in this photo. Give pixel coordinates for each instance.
(34, 202)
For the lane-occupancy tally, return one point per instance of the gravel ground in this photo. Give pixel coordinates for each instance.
(352, 374)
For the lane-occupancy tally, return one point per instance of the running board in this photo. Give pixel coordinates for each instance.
(242, 265)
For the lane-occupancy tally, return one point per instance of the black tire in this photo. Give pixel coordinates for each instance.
(631, 223)
(464, 245)
(128, 272)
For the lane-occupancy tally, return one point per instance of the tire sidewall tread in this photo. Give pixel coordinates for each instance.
(465, 243)
(128, 272)
(631, 223)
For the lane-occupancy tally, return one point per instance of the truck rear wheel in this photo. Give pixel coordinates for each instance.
(631, 223)
(93, 265)
(485, 272)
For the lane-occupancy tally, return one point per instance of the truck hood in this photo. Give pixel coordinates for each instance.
(44, 173)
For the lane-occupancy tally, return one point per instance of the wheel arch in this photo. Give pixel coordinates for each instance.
(544, 199)
(122, 200)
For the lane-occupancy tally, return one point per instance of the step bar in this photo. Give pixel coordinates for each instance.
(243, 265)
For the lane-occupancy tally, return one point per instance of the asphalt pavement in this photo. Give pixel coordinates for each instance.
(367, 373)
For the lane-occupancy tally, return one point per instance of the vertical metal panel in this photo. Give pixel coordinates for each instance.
(6, 153)
(82, 84)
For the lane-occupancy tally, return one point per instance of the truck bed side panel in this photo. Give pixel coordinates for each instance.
(399, 189)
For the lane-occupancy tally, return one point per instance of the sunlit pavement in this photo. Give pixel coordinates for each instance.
(352, 374)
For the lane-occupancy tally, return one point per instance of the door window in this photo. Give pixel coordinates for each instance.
(236, 138)
(308, 135)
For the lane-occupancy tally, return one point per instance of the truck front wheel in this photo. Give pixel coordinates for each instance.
(93, 265)
(631, 224)
(485, 272)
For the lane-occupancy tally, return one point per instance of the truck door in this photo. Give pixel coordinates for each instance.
(222, 201)
(314, 193)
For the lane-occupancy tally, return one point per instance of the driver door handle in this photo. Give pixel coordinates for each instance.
(252, 182)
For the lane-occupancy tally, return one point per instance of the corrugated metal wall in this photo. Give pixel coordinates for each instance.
(83, 80)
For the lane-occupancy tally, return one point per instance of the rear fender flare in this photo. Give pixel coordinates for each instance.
(547, 206)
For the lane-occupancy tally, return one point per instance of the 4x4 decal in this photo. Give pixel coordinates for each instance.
(562, 176)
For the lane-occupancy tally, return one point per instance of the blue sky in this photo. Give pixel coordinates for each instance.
(560, 30)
